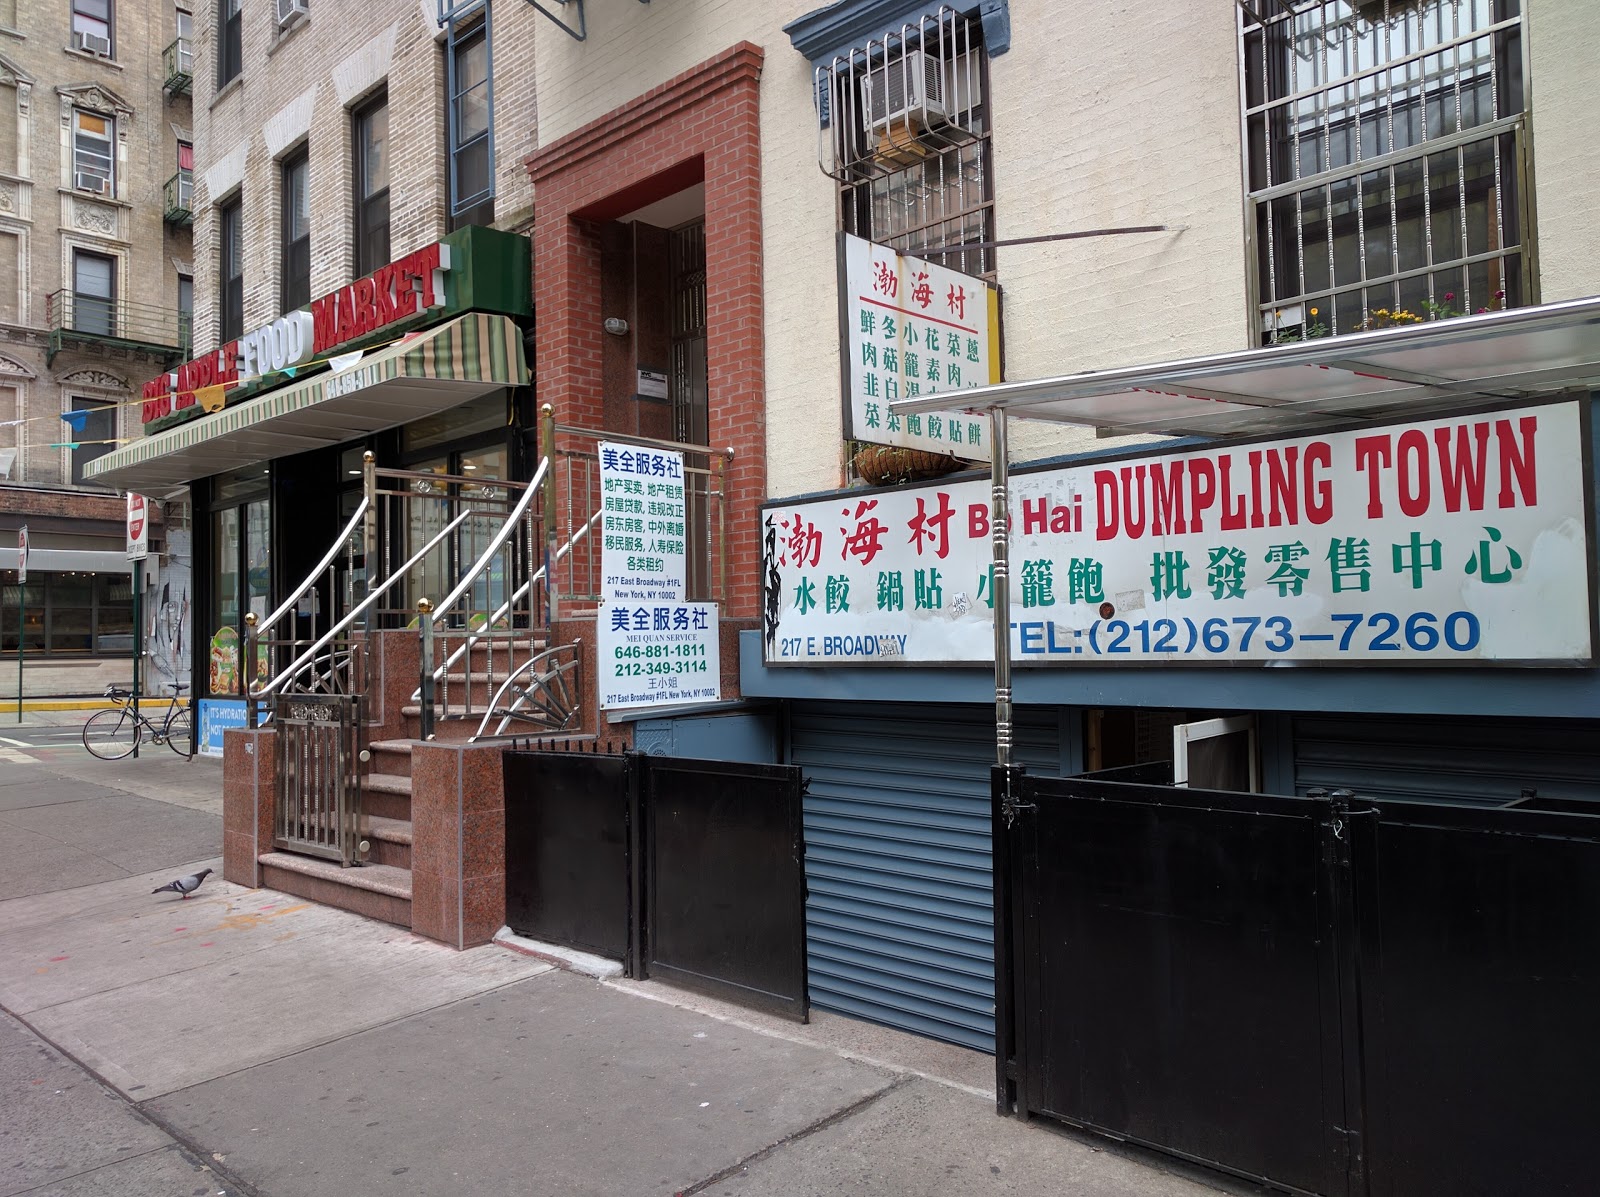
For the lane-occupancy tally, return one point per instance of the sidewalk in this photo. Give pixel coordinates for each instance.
(250, 1042)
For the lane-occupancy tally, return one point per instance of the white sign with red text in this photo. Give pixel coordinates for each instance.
(138, 527)
(915, 328)
(1454, 540)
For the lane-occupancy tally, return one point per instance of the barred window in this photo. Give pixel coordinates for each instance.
(1387, 147)
(905, 132)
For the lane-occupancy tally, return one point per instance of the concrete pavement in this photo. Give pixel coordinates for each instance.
(247, 1041)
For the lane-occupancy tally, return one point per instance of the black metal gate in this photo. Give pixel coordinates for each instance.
(567, 861)
(1326, 994)
(687, 870)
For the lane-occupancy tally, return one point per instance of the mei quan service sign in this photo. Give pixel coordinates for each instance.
(1460, 540)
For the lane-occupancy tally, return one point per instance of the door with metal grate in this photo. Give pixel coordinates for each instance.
(899, 907)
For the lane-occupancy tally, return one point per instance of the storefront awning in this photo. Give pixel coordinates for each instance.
(433, 371)
(1289, 389)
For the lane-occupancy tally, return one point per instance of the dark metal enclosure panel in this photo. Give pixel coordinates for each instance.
(1460, 761)
(900, 908)
(726, 906)
(1480, 974)
(567, 850)
(1175, 977)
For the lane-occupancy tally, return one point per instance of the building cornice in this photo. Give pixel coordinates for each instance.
(740, 63)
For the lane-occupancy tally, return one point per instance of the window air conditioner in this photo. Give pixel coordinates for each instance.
(901, 99)
(92, 43)
(98, 184)
(288, 10)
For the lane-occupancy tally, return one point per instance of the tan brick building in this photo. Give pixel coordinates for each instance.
(95, 283)
(299, 95)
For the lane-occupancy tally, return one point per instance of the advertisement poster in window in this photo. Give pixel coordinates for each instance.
(1461, 540)
(912, 327)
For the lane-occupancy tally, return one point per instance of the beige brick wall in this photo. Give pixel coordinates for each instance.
(1563, 43)
(299, 88)
(42, 220)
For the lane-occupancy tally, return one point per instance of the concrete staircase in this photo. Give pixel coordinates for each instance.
(381, 887)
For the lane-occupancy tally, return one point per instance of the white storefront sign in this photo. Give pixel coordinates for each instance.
(915, 328)
(658, 654)
(1432, 542)
(286, 342)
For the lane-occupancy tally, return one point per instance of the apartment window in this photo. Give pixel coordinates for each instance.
(230, 45)
(94, 293)
(93, 139)
(372, 185)
(91, 26)
(231, 270)
(471, 123)
(1386, 143)
(906, 135)
(94, 439)
(296, 231)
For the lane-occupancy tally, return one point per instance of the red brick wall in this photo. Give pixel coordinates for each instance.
(700, 125)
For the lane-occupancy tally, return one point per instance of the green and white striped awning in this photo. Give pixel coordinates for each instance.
(433, 371)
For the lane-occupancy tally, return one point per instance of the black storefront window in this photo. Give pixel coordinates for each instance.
(69, 614)
(241, 554)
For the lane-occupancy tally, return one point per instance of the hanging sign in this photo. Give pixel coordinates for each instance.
(22, 554)
(138, 528)
(658, 654)
(1433, 542)
(642, 524)
(912, 327)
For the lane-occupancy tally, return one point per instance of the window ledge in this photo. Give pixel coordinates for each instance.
(92, 197)
(16, 33)
(110, 62)
(284, 34)
(227, 89)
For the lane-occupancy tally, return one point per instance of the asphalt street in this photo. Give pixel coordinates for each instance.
(245, 1041)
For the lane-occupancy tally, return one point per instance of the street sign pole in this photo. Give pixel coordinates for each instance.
(138, 548)
(22, 609)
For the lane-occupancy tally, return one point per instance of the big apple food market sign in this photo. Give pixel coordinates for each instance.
(396, 292)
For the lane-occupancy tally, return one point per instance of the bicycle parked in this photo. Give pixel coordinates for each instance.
(112, 735)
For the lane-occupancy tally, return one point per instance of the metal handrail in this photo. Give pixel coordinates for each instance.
(530, 666)
(265, 625)
(69, 313)
(496, 543)
(378, 592)
(517, 596)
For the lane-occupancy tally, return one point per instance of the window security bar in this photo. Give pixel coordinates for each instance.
(899, 99)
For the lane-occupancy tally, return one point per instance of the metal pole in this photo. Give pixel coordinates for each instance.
(22, 634)
(249, 655)
(1000, 584)
(547, 445)
(425, 620)
(138, 644)
(369, 538)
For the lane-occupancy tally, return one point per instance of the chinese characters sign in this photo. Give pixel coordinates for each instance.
(658, 654)
(1434, 542)
(654, 648)
(642, 524)
(914, 328)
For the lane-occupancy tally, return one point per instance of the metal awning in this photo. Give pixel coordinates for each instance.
(441, 368)
(1289, 389)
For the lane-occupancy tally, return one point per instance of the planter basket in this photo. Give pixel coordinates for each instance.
(883, 465)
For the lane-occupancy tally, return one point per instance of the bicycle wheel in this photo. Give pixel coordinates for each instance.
(111, 735)
(179, 735)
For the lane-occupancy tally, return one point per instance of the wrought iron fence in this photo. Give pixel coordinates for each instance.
(74, 316)
(318, 747)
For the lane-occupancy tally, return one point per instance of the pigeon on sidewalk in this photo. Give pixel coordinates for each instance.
(184, 885)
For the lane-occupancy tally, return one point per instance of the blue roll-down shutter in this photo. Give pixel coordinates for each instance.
(899, 908)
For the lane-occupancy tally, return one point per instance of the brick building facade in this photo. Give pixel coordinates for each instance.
(95, 277)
